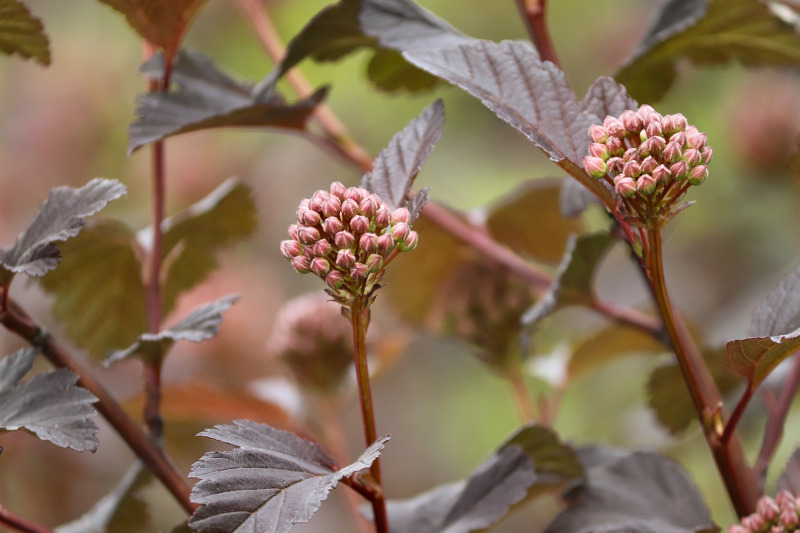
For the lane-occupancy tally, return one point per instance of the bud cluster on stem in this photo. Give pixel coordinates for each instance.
(778, 515)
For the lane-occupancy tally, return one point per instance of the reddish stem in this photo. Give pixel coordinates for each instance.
(738, 411)
(533, 14)
(20, 524)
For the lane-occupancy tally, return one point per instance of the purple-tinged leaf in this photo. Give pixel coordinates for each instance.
(99, 293)
(531, 462)
(705, 32)
(21, 33)
(789, 479)
(199, 325)
(396, 167)
(123, 510)
(49, 405)
(779, 313)
(271, 480)
(754, 358)
(642, 492)
(207, 98)
(61, 216)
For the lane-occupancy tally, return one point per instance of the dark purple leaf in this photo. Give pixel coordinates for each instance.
(61, 216)
(199, 325)
(789, 479)
(779, 313)
(48, 404)
(396, 167)
(642, 492)
(207, 98)
(21, 33)
(271, 480)
(709, 32)
(754, 358)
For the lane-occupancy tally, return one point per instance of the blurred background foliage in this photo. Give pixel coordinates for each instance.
(65, 124)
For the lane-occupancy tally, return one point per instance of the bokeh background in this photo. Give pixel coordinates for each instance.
(66, 124)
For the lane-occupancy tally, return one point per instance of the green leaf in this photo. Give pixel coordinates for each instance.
(756, 357)
(98, 288)
(608, 344)
(163, 24)
(530, 222)
(193, 237)
(709, 32)
(21, 33)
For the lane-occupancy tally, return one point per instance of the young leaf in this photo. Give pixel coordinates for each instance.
(608, 344)
(160, 23)
(396, 167)
(754, 358)
(99, 293)
(271, 480)
(199, 325)
(21, 33)
(779, 313)
(529, 221)
(708, 32)
(207, 98)
(530, 462)
(193, 237)
(61, 216)
(122, 510)
(642, 492)
(49, 404)
(789, 479)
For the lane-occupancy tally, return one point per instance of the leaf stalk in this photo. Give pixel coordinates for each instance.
(20, 524)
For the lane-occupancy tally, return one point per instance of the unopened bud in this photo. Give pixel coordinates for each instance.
(359, 271)
(293, 231)
(374, 263)
(334, 279)
(359, 224)
(614, 127)
(646, 184)
(307, 235)
(631, 154)
(692, 156)
(767, 508)
(789, 518)
(784, 499)
(625, 186)
(595, 166)
(599, 150)
(331, 206)
(368, 242)
(346, 258)
(369, 205)
(315, 203)
(645, 110)
(385, 243)
(754, 522)
(615, 165)
(631, 169)
(332, 225)
(400, 231)
(321, 248)
(649, 165)
(668, 125)
(707, 153)
(344, 239)
(383, 217)
(653, 129)
(301, 264)
(672, 152)
(354, 193)
(652, 146)
(661, 173)
(401, 214)
(409, 243)
(679, 170)
(633, 123)
(680, 122)
(679, 139)
(320, 266)
(290, 249)
(337, 189)
(598, 134)
(698, 174)
(308, 217)
(698, 141)
(615, 146)
(349, 208)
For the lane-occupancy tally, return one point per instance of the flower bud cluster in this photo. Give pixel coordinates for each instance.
(772, 516)
(345, 236)
(650, 159)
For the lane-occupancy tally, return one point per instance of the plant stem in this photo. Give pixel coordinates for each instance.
(20, 524)
(521, 394)
(729, 456)
(151, 454)
(359, 318)
(533, 14)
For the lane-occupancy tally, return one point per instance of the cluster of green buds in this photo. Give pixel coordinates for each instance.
(346, 237)
(778, 515)
(649, 159)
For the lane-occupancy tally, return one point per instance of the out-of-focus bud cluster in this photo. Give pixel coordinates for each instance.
(649, 159)
(345, 237)
(772, 516)
(314, 341)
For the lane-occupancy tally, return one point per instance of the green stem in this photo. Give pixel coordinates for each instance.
(739, 479)
(359, 318)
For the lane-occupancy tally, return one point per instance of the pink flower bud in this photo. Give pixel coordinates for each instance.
(346, 258)
(315, 204)
(707, 153)
(332, 225)
(652, 117)
(337, 189)
(595, 166)
(653, 129)
(649, 165)
(631, 154)
(615, 146)
(400, 231)
(359, 271)
(334, 279)
(385, 243)
(293, 231)
(679, 170)
(646, 184)
(354, 193)
(672, 152)
(783, 498)
(301, 264)
(409, 243)
(698, 141)
(679, 139)
(307, 217)
(788, 518)
(668, 125)
(777, 529)
(331, 206)
(615, 165)
(598, 134)
(321, 248)
(767, 508)
(344, 239)
(692, 156)
(349, 208)
(698, 174)
(320, 266)
(308, 252)
(652, 146)
(632, 122)
(631, 169)
(680, 122)
(307, 235)
(615, 128)
(374, 263)
(369, 205)
(383, 217)
(661, 173)
(599, 150)
(625, 187)
(368, 242)
(359, 224)
(754, 522)
(645, 110)
(290, 249)
(401, 214)
(736, 528)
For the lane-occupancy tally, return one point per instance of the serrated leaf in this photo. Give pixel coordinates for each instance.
(193, 237)
(643, 492)
(708, 32)
(789, 479)
(668, 395)
(21, 33)
(160, 23)
(779, 313)
(50, 404)
(199, 325)
(207, 98)
(396, 167)
(271, 480)
(756, 357)
(608, 344)
(99, 293)
(121, 511)
(529, 221)
(61, 216)
(532, 461)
